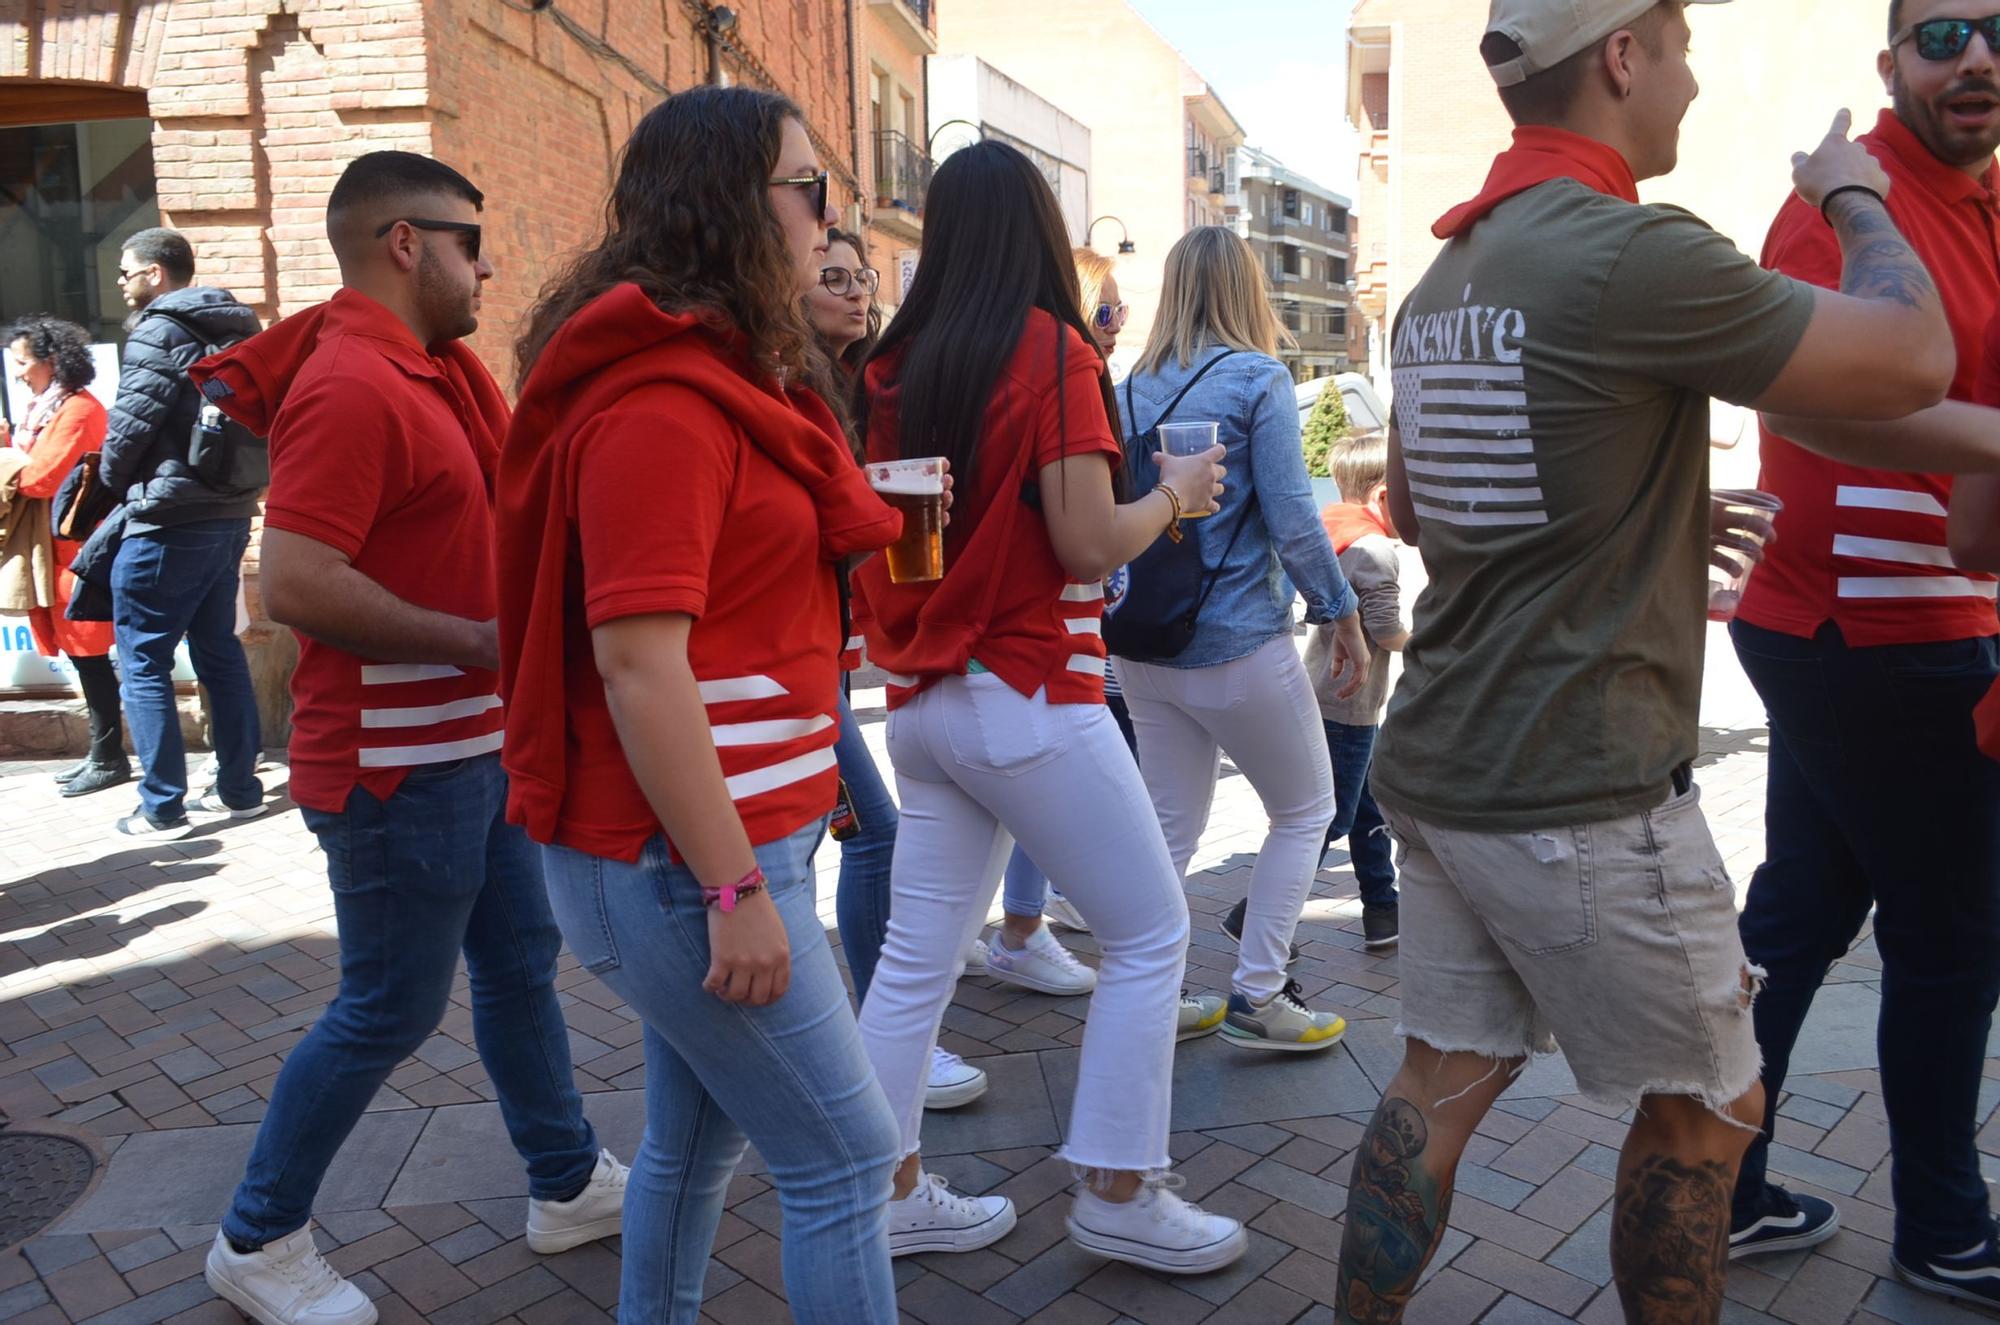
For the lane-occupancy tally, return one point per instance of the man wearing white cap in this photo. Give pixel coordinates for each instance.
(1549, 452)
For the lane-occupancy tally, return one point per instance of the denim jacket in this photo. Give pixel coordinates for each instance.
(1283, 542)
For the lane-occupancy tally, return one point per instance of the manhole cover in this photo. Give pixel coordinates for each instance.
(40, 1177)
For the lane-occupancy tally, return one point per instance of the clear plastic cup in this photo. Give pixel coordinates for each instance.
(1725, 584)
(1189, 439)
(916, 488)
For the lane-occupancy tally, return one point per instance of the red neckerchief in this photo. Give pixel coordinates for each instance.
(1540, 154)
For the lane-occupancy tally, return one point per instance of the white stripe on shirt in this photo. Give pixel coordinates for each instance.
(389, 674)
(769, 732)
(442, 752)
(1083, 593)
(1884, 549)
(731, 689)
(1888, 499)
(424, 715)
(769, 778)
(1083, 625)
(1087, 663)
(1915, 586)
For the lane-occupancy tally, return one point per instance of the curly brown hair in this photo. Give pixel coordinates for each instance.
(64, 346)
(690, 223)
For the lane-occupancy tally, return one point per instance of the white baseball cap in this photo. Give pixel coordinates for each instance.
(1550, 31)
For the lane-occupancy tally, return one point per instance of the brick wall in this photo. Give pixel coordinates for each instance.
(259, 104)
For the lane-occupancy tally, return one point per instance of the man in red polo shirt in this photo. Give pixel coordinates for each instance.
(379, 551)
(1869, 648)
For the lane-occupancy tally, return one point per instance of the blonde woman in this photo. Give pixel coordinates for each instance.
(1238, 686)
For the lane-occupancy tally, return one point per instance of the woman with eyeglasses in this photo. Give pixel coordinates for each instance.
(674, 507)
(997, 724)
(847, 321)
(1239, 687)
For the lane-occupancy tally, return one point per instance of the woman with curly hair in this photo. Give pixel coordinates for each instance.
(63, 423)
(673, 506)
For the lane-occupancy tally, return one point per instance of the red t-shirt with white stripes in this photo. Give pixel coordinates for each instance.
(369, 456)
(1865, 548)
(729, 537)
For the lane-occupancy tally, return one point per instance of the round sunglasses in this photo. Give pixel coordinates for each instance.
(1110, 317)
(840, 280)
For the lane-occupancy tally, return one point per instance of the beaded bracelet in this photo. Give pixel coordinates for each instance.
(1173, 499)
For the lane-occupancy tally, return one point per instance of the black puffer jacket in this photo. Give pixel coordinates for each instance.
(146, 446)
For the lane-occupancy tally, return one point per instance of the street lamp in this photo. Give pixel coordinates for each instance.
(1125, 244)
(930, 145)
(716, 26)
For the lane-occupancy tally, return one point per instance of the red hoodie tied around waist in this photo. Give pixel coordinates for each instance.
(385, 452)
(1005, 599)
(651, 470)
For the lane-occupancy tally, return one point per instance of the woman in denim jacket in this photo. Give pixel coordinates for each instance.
(1239, 686)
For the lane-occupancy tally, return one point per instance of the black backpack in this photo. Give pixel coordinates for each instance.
(223, 453)
(1167, 585)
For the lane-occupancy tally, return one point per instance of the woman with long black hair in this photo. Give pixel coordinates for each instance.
(673, 510)
(997, 723)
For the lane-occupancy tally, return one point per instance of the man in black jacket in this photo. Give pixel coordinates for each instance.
(176, 573)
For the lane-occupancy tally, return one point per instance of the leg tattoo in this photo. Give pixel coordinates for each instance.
(1396, 1213)
(1670, 1240)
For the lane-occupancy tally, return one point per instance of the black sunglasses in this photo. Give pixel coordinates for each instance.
(839, 280)
(467, 228)
(124, 275)
(1945, 38)
(817, 183)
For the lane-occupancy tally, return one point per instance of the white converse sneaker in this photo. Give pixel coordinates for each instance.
(934, 1218)
(953, 1081)
(1059, 910)
(598, 1211)
(286, 1282)
(975, 959)
(1156, 1229)
(1043, 965)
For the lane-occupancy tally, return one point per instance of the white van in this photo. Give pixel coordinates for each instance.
(1365, 410)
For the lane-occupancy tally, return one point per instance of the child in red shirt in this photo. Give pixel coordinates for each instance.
(997, 723)
(671, 516)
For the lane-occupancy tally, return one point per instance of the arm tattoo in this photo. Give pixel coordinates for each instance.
(1670, 1241)
(1396, 1213)
(1879, 263)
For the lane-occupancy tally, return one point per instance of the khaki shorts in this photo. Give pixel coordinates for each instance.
(1615, 940)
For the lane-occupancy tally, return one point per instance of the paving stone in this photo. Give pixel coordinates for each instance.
(1146, 1297)
(1567, 1199)
(1323, 1198)
(1452, 1298)
(1539, 1283)
(1540, 1154)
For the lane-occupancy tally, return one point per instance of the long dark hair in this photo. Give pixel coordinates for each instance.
(994, 246)
(689, 222)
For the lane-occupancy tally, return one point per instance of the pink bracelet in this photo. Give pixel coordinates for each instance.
(728, 895)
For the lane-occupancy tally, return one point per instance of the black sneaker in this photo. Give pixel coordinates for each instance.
(1782, 1221)
(1973, 1276)
(140, 824)
(96, 777)
(72, 773)
(1380, 925)
(1232, 925)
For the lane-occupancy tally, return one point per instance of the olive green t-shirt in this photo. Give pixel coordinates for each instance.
(1552, 377)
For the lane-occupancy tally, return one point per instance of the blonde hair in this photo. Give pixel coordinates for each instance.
(1358, 463)
(1214, 294)
(1091, 269)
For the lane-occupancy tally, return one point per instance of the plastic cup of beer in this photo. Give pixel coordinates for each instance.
(916, 488)
(1725, 584)
(1189, 439)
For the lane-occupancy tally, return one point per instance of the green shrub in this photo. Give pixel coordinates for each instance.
(1326, 425)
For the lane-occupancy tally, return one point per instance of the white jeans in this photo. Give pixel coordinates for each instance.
(1260, 710)
(978, 765)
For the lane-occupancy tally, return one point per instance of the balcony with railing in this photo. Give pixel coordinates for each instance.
(913, 21)
(902, 178)
(1218, 182)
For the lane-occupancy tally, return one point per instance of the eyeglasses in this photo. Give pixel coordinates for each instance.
(839, 280)
(467, 228)
(1945, 38)
(1110, 317)
(817, 183)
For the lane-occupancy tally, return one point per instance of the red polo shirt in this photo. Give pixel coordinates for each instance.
(1865, 548)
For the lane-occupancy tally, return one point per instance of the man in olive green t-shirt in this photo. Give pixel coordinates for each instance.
(1549, 451)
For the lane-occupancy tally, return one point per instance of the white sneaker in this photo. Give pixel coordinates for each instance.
(286, 1282)
(211, 802)
(953, 1081)
(598, 1211)
(1156, 1229)
(1201, 1014)
(934, 1218)
(1059, 910)
(1043, 965)
(975, 959)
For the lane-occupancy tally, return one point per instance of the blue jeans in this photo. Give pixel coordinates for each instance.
(861, 902)
(790, 1076)
(433, 871)
(1877, 796)
(1355, 815)
(174, 583)
(1026, 888)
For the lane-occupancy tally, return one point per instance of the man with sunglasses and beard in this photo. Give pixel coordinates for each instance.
(1869, 648)
(379, 552)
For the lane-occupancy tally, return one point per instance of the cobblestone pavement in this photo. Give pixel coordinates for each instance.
(148, 994)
